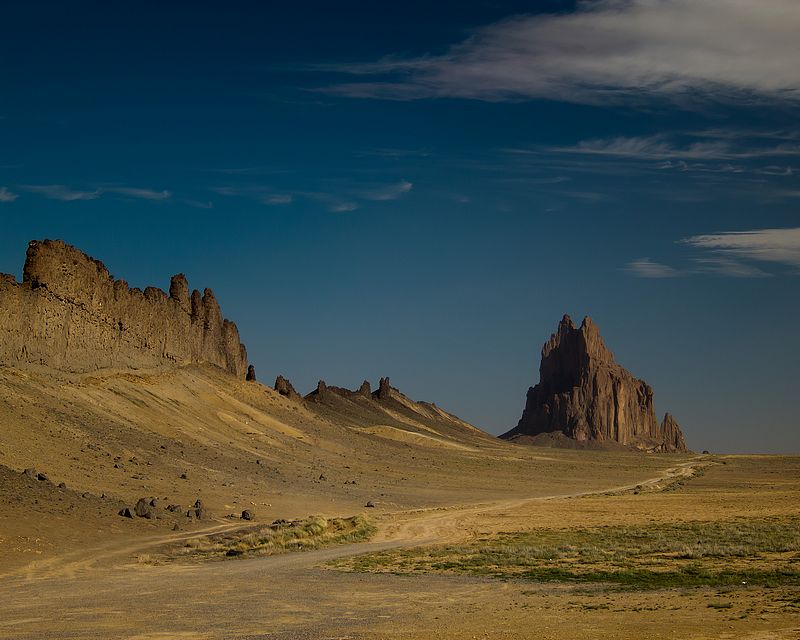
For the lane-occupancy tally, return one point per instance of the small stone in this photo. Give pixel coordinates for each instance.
(370, 504)
(247, 514)
(125, 512)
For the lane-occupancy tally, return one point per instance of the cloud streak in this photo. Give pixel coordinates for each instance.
(781, 246)
(608, 51)
(60, 192)
(67, 194)
(730, 254)
(6, 195)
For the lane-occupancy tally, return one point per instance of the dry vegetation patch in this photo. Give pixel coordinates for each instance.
(281, 536)
(740, 551)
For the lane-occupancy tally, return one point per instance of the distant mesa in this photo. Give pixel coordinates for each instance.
(584, 398)
(70, 314)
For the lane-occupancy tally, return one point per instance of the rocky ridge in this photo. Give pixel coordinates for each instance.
(589, 398)
(70, 314)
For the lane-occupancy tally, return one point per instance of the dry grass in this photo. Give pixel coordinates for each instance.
(314, 532)
(751, 551)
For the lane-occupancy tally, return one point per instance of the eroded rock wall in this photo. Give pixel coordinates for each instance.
(71, 314)
(586, 395)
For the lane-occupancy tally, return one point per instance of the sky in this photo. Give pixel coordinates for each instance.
(422, 190)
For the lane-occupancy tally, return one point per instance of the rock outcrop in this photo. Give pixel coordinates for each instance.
(384, 391)
(69, 313)
(585, 395)
(251, 374)
(285, 388)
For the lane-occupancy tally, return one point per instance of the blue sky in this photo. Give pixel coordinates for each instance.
(422, 191)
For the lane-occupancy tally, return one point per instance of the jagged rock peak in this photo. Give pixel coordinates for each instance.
(584, 394)
(672, 434)
(365, 389)
(71, 314)
(285, 388)
(384, 391)
(251, 374)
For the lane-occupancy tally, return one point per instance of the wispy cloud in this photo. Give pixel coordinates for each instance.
(710, 146)
(608, 51)
(68, 194)
(343, 207)
(6, 195)
(646, 268)
(60, 192)
(388, 192)
(143, 194)
(780, 246)
(278, 198)
(732, 254)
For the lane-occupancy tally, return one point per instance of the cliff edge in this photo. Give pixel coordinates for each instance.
(69, 313)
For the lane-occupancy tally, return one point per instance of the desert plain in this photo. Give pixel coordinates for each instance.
(468, 536)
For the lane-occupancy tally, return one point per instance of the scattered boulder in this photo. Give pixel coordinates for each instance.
(247, 514)
(42, 477)
(144, 509)
(31, 473)
(251, 374)
(370, 504)
(174, 508)
(125, 512)
(198, 511)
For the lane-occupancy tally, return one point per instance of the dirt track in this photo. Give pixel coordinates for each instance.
(105, 593)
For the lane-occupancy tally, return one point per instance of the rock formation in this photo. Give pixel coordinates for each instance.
(365, 389)
(384, 391)
(285, 388)
(69, 313)
(584, 394)
(251, 374)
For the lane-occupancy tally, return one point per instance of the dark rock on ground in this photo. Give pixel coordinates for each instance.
(126, 512)
(144, 509)
(247, 514)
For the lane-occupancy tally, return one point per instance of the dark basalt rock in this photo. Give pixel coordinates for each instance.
(251, 374)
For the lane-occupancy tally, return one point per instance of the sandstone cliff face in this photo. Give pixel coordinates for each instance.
(70, 314)
(586, 395)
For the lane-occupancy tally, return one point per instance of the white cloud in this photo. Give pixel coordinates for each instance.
(278, 198)
(6, 195)
(144, 194)
(60, 192)
(646, 268)
(710, 146)
(780, 246)
(388, 192)
(609, 51)
(343, 207)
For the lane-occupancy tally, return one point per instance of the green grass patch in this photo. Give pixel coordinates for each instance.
(716, 554)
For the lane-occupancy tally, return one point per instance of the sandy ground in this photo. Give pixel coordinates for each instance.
(71, 568)
(105, 592)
